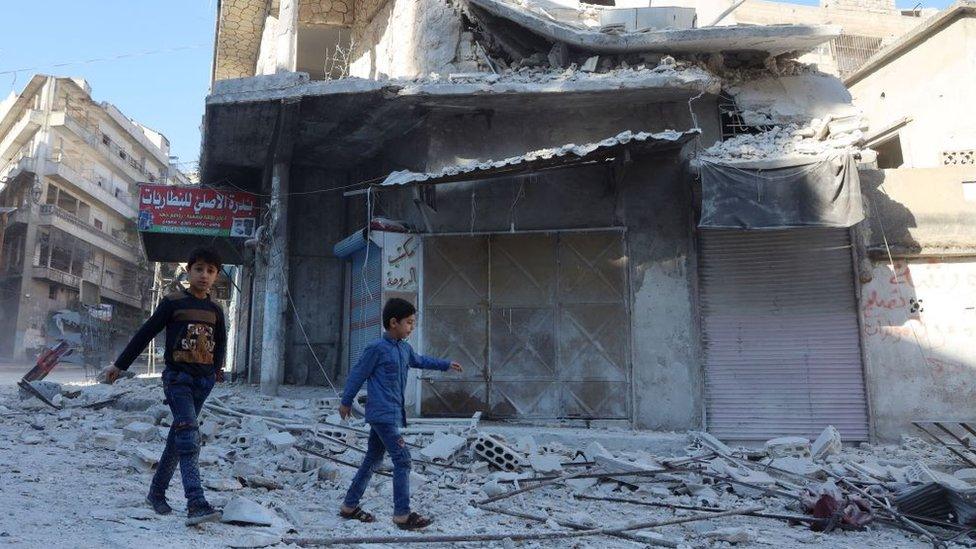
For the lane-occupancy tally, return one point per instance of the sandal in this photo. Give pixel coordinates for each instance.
(414, 522)
(357, 514)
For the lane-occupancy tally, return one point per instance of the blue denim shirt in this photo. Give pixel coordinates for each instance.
(383, 367)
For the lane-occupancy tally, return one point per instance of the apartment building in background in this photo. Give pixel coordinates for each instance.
(69, 169)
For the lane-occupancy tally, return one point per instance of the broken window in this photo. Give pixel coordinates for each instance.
(851, 51)
(889, 153)
(52, 292)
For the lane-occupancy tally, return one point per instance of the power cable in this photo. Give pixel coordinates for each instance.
(102, 59)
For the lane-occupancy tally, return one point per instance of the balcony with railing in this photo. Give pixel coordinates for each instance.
(68, 222)
(88, 131)
(72, 172)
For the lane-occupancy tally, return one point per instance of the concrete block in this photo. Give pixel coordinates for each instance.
(107, 440)
(595, 449)
(443, 448)
(261, 481)
(254, 425)
(138, 430)
(828, 443)
(497, 453)
(614, 465)
(797, 447)
(244, 468)
(920, 473)
(280, 441)
(546, 464)
(291, 461)
(590, 64)
(243, 440)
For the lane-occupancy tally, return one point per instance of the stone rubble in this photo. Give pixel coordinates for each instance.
(266, 463)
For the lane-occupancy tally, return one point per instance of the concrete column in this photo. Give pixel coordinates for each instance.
(275, 300)
(287, 36)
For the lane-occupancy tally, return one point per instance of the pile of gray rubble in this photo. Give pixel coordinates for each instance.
(259, 452)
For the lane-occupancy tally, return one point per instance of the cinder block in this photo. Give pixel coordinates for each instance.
(280, 441)
(797, 447)
(497, 453)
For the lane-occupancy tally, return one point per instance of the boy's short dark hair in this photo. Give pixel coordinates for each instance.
(397, 308)
(205, 255)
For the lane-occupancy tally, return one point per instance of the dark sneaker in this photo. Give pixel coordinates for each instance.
(200, 513)
(158, 503)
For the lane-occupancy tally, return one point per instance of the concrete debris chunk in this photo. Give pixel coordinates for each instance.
(595, 449)
(280, 441)
(498, 454)
(328, 472)
(590, 64)
(968, 475)
(143, 459)
(260, 481)
(581, 485)
(241, 510)
(546, 464)
(443, 448)
(798, 465)
(223, 484)
(797, 447)
(614, 465)
(107, 440)
(138, 430)
(208, 429)
(827, 444)
(920, 473)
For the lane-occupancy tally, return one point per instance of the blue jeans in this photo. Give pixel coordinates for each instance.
(185, 395)
(384, 437)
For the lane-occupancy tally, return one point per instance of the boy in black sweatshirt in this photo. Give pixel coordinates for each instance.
(196, 342)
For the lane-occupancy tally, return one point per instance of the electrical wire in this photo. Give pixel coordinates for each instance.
(102, 59)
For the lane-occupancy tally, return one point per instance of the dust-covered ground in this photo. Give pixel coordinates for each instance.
(77, 477)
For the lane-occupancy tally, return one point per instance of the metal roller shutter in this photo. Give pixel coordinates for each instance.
(365, 307)
(781, 338)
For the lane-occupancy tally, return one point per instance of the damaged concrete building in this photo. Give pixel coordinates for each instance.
(68, 243)
(633, 218)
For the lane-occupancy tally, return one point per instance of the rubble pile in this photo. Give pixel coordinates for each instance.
(818, 137)
(279, 466)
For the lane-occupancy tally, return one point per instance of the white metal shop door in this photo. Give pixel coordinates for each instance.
(781, 338)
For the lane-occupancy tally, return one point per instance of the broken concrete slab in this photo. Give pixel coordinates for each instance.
(138, 430)
(241, 510)
(143, 459)
(796, 465)
(107, 440)
(615, 465)
(223, 484)
(797, 447)
(775, 39)
(709, 441)
(827, 444)
(443, 448)
(581, 485)
(546, 464)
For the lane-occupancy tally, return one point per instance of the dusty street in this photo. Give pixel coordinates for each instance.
(75, 478)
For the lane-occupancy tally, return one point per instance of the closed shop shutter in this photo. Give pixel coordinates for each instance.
(781, 338)
(540, 322)
(365, 307)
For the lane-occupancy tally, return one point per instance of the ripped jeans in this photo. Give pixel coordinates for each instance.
(384, 437)
(185, 395)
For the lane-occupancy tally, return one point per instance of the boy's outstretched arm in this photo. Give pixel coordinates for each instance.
(141, 339)
(357, 376)
(430, 363)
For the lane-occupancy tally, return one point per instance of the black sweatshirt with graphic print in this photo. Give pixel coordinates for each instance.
(196, 337)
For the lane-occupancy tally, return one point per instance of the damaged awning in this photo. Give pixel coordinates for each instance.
(814, 192)
(775, 39)
(555, 157)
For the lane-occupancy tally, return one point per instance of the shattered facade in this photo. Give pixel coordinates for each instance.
(563, 260)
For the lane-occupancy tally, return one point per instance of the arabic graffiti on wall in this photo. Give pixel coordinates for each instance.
(401, 262)
(195, 210)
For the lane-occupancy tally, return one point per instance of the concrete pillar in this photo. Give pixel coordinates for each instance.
(287, 36)
(275, 300)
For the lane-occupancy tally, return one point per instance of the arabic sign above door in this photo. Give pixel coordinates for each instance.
(401, 262)
(197, 210)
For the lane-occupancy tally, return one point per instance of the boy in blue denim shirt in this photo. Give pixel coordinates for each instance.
(383, 367)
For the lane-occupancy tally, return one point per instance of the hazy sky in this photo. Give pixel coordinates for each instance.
(167, 45)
